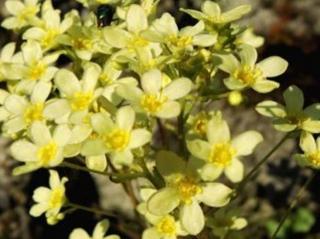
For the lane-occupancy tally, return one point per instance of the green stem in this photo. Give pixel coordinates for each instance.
(216, 97)
(148, 174)
(293, 204)
(92, 210)
(81, 168)
(260, 163)
(119, 178)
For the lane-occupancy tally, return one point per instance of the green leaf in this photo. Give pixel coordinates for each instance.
(272, 225)
(303, 221)
(107, 105)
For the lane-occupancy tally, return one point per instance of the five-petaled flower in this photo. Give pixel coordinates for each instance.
(220, 153)
(50, 200)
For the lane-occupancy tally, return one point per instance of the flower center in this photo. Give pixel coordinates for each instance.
(57, 198)
(137, 42)
(167, 226)
(81, 100)
(152, 103)
(36, 71)
(182, 41)
(188, 188)
(47, 153)
(248, 75)
(298, 119)
(222, 154)
(314, 159)
(82, 44)
(33, 113)
(27, 12)
(200, 126)
(49, 38)
(117, 140)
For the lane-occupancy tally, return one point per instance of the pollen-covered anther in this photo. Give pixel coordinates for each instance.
(33, 113)
(47, 153)
(81, 100)
(152, 103)
(182, 41)
(105, 78)
(167, 226)
(248, 75)
(314, 159)
(27, 12)
(200, 126)
(36, 71)
(49, 38)
(222, 154)
(82, 44)
(137, 42)
(117, 140)
(188, 188)
(57, 198)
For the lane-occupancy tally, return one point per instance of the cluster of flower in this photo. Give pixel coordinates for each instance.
(130, 81)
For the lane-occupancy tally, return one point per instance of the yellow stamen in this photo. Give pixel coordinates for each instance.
(47, 153)
(82, 44)
(167, 226)
(81, 100)
(36, 71)
(221, 154)
(187, 188)
(314, 159)
(27, 12)
(117, 140)
(33, 113)
(57, 198)
(200, 125)
(180, 42)
(248, 75)
(138, 42)
(152, 103)
(49, 38)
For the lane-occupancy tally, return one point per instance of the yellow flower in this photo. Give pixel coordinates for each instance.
(23, 13)
(98, 233)
(116, 138)
(130, 40)
(184, 191)
(220, 153)
(78, 95)
(50, 27)
(50, 200)
(31, 66)
(22, 113)
(246, 73)
(165, 30)
(212, 15)
(6, 57)
(198, 123)
(45, 150)
(311, 149)
(292, 116)
(154, 99)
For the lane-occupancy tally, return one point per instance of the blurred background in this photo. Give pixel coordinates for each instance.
(291, 29)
